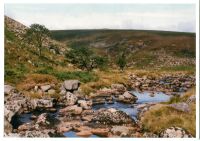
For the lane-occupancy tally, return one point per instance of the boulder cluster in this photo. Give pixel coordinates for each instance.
(168, 84)
(75, 112)
(117, 92)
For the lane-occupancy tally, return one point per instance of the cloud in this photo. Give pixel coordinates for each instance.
(181, 20)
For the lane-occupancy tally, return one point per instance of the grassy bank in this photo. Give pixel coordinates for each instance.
(161, 116)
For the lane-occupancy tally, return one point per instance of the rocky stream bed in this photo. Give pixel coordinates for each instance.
(110, 112)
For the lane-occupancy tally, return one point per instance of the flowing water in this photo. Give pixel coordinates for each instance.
(18, 120)
(130, 109)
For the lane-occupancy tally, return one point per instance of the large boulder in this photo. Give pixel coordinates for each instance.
(15, 103)
(69, 99)
(10, 111)
(175, 132)
(112, 116)
(71, 85)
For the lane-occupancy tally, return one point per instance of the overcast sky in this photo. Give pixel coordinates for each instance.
(171, 17)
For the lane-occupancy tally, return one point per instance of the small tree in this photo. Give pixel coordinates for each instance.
(85, 58)
(37, 34)
(80, 56)
(121, 61)
(100, 62)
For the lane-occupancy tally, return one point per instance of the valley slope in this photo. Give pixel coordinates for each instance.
(145, 49)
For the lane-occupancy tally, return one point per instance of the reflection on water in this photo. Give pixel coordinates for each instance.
(145, 97)
(130, 109)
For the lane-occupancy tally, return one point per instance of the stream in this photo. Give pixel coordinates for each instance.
(130, 109)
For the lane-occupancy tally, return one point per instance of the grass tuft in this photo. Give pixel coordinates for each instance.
(160, 116)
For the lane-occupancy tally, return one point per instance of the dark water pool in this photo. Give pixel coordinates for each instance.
(18, 120)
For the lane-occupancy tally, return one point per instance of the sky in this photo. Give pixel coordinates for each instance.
(169, 17)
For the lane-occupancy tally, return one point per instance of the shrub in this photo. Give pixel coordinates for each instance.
(121, 61)
(37, 34)
(85, 58)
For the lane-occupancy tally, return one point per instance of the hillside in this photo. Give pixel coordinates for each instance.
(22, 57)
(144, 49)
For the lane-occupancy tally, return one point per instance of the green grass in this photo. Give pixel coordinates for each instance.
(15, 74)
(9, 35)
(80, 75)
(83, 76)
